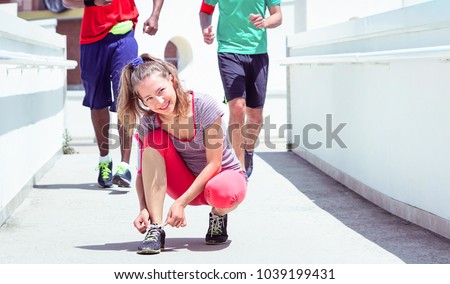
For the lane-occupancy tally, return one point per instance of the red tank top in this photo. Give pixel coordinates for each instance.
(98, 21)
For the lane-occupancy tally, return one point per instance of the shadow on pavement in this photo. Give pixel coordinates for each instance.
(172, 245)
(83, 186)
(409, 242)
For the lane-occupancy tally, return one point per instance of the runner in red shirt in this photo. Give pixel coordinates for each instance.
(107, 44)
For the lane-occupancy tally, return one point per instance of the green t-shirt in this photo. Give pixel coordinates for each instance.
(235, 34)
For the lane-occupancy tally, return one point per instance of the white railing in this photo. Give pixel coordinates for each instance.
(35, 61)
(435, 52)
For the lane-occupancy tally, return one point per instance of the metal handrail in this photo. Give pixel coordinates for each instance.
(29, 60)
(435, 52)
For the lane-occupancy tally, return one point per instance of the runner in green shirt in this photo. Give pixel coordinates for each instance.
(243, 64)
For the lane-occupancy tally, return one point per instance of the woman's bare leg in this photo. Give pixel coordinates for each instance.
(155, 183)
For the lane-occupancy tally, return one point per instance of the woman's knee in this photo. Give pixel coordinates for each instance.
(226, 189)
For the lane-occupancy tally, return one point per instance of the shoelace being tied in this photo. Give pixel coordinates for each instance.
(153, 233)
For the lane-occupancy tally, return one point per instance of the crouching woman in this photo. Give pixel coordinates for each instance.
(184, 152)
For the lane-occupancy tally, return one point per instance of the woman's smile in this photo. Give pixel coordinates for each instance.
(165, 106)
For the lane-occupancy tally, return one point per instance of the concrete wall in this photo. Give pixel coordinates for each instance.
(32, 95)
(385, 79)
(321, 13)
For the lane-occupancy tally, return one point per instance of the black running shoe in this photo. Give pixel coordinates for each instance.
(105, 174)
(154, 241)
(248, 163)
(217, 231)
(122, 177)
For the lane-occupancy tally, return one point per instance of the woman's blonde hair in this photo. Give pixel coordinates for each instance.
(130, 107)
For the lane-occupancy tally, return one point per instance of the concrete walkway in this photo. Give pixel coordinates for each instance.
(292, 214)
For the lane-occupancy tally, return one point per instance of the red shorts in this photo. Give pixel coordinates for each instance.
(221, 191)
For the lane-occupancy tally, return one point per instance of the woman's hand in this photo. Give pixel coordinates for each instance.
(142, 221)
(175, 217)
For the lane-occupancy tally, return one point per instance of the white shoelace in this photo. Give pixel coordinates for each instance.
(216, 225)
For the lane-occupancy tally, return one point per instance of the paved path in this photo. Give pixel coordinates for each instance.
(292, 214)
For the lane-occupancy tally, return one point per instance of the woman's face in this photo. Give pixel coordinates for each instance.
(158, 94)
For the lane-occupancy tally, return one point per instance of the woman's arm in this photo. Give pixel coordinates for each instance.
(214, 153)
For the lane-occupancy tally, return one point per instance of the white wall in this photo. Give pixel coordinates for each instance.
(32, 99)
(396, 111)
(322, 13)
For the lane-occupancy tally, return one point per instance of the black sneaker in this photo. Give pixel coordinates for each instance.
(248, 163)
(122, 177)
(217, 231)
(105, 174)
(154, 241)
